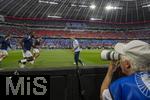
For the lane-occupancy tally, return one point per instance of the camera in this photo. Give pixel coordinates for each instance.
(110, 55)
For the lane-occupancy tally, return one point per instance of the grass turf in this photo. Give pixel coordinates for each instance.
(54, 59)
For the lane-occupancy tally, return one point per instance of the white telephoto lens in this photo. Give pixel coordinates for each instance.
(104, 54)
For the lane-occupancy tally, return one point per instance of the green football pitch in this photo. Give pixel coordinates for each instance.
(54, 59)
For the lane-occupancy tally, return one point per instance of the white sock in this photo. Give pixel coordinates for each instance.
(23, 60)
(32, 62)
(1, 59)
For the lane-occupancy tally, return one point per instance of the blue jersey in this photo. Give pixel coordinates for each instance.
(5, 43)
(27, 43)
(133, 87)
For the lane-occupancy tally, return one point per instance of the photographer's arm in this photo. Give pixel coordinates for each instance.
(108, 78)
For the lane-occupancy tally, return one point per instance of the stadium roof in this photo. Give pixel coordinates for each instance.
(105, 10)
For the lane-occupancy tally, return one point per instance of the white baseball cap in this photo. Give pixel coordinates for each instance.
(136, 49)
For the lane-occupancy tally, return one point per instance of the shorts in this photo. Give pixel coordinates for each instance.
(27, 54)
(4, 52)
(35, 50)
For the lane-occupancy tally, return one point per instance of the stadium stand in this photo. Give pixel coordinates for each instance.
(77, 34)
(87, 39)
(56, 34)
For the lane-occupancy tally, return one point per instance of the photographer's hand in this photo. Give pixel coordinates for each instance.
(107, 80)
(112, 67)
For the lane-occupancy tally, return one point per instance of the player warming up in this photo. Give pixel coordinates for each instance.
(36, 47)
(5, 44)
(27, 44)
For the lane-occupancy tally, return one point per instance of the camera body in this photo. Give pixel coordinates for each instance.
(110, 55)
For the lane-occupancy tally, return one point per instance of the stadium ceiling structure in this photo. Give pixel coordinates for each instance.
(105, 10)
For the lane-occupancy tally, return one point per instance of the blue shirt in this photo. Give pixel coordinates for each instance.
(5, 43)
(27, 43)
(133, 87)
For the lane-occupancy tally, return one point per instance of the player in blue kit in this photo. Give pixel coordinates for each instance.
(5, 44)
(27, 44)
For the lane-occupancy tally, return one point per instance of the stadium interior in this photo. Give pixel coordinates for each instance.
(96, 24)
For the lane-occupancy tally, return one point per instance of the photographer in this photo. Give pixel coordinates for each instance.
(135, 63)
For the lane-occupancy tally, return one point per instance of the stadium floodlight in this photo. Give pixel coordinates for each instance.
(84, 6)
(53, 3)
(109, 7)
(92, 6)
(73, 5)
(54, 16)
(40, 1)
(146, 6)
(95, 19)
(115, 8)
